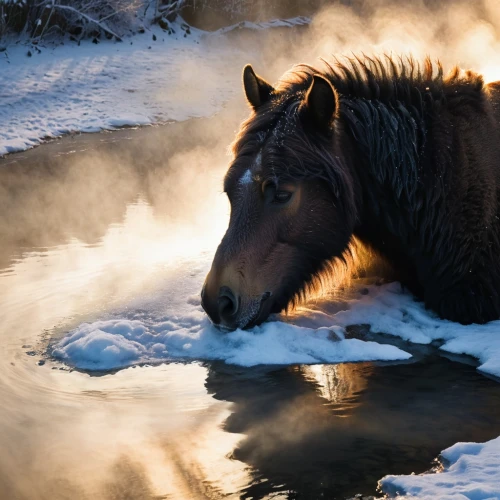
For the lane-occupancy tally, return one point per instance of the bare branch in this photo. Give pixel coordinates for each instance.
(88, 18)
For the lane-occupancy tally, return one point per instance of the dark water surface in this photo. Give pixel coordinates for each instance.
(91, 222)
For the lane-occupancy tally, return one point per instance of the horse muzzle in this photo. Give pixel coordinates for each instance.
(228, 310)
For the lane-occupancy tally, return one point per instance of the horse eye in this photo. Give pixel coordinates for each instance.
(274, 195)
(282, 196)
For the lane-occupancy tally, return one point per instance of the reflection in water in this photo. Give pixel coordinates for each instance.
(339, 384)
(129, 481)
(145, 431)
(334, 435)
(88, 230)
(82, 233)
(181, 431)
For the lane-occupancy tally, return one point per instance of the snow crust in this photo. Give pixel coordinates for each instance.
(472, 473)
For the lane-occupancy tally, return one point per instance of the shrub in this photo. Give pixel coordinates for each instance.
(37, 19)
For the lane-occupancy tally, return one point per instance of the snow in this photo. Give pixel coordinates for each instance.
(472, 473)
(472, 470)
(87, 88)
(146, 79)
(188, 334)
(387, 309)
(104, 345)
(275, 23)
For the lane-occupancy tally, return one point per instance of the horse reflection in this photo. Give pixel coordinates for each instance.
(334, 431)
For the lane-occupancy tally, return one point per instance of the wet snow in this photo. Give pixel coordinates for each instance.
(317, 336)
(104, 345)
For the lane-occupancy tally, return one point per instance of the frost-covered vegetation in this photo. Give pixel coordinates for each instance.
(39, 19)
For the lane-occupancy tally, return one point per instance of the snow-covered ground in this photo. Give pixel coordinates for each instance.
(70, 88)
(53, 90)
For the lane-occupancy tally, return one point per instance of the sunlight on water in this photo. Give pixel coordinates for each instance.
(99, 230)
(157, 430)
(145, 431)
(128, 258)
(178, 430)
(340, 384)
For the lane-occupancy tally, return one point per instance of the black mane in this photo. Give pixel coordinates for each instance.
(389, 80)
(382, 99)
(383, 102)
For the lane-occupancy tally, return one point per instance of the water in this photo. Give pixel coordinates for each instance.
(95, 223)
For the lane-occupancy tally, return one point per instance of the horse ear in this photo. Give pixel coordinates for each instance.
(322, 101)
(257, 90)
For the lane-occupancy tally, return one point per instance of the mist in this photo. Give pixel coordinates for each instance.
(78, 188)
(94, 223)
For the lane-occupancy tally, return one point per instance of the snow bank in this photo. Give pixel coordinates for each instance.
(274, 23)
(473, 473)
(148, 78)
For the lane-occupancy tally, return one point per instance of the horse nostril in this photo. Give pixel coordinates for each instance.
(227, 304)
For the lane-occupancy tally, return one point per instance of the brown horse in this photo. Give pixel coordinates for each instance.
(394, 153)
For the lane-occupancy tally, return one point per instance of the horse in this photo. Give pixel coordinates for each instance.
(390, 151)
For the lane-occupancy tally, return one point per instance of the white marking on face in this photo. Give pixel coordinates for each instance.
(246, 178)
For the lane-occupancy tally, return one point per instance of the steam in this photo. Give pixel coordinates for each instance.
(96, 219)
(78, 190)
(455, 32)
